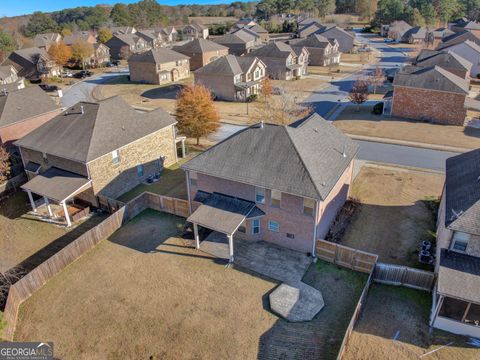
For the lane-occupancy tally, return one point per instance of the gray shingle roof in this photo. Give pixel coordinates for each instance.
(157, 56)
(129, 39)
(313, 41)
(199, 46)
(275, 49)
(416, 32)
(459, 276)
(6, 71)
(23, 104)
(225, 65)
(304, 159)
(31, 55)
(444, 59)
(462, 191)
(432, 78)
(77, 36)
(458, 38)
(44, 40)
(102, 128)
(236, 38)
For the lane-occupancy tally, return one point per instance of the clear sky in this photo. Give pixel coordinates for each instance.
(21, 7)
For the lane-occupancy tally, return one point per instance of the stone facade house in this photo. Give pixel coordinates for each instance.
(44, 41)
(447, 60)
(32, 63)
(232, 78)
(101, 55)
(194, 30)
(123, 45)
(456, 296)
(470, 51)
(430, 94)
(282, 61)
(158, 66)
(239, 43)
(152, 37)
(169, 34)
(201, 52)
(83, 36)
(96, 149)
(281, 184)
(323, 51)
(22, 111)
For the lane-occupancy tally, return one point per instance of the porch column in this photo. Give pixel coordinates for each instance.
(67, 217)
(437, 310)
(50, 213)
(195, 234)
(230, 247)
(32, 203)
(183, 148)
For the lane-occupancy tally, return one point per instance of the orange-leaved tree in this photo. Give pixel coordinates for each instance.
(4, 163)
(359, 93)
(60, 53)
(82, 51)
(196, 113)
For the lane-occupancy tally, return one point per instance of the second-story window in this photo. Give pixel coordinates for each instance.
(237, 78)
(308, 206)
(460, 241)
(276, 198)
(259, 195)
(115, 157)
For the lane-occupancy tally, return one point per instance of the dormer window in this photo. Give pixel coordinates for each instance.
(460, 241)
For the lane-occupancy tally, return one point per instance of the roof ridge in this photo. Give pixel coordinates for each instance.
(447, 75)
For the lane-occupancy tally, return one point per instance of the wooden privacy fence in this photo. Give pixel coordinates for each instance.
(403, 275)
(347, 257)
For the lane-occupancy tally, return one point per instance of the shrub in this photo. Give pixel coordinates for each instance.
(252, 97)
(378, 109)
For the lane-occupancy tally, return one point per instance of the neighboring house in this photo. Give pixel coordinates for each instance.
(238, 44)
(430, 94)
(447, 60)
(24, 110)
(153, 38)
(248, 32)
(93, 149)
(395, 30)
(80, 36)
(254, 28)
(345, 39)
(282, 61)
(457, 25)
(470, 51)
(194, 30)
(201, 52)
(44, 41)
(232, 78)
(441, 33)
(309, 29)
(9, 79)
(101, 55)
(158, 66)
(415, 35)
(458, 38)
(123, 45)
(169, 34)
(33, 63)
(456, 296)
(467, 25)
(123, 30)
(279, 183)
(323, 51)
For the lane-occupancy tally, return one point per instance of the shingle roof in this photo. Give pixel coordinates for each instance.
(32, 54)
(6, 71)
(199, 46)
(459, 276)
(416, 32)
(102, 128)
(432, 78)
(23, 104)
(157, 56)
(148, 34)
(462, 191)
(225, 65)
(77, 36)
(129, 39)
(444, 59)
(236, 38)
(246, 33)
(314, 41)
(45, 39)
(328, 29)
(304, 159)
(275, 49)
(457, 38)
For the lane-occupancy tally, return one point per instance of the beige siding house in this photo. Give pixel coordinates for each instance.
(158, 66)
(201, 52)
(194, 30)
(322, 51)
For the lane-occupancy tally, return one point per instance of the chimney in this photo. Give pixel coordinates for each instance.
(81, 109)
(261, 124)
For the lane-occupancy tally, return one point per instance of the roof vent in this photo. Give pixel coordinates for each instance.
(261, 124)
(123, 128)
(81, 110)
(344, 154)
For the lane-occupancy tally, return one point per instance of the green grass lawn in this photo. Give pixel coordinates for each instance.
(172, 183)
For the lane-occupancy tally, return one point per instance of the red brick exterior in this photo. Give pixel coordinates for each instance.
(437, 106)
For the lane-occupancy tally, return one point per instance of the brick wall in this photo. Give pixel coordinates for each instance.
(146, 72)
(221, 86)
(197, 60)
(419, 104)
(112, 180)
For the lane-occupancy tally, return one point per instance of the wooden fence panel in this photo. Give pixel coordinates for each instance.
(347, 257)
(403, 275)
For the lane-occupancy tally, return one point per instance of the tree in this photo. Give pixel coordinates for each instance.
(416, 18)
(82, 51)
(448, 9)
(388, 11)
(366, 8)
(377, 78)
(266, 89)
(121, 15)
(66, 31)
(359, 93)
(196, 113)
(60, 53)
(4, 163)
(40, 23)
(104, 34)
(325, 7)
(429, 14)
(7, 44)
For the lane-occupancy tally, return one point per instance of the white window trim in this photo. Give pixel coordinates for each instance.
(260, 191)
(272, 228)
(463, 238)
(254, 227)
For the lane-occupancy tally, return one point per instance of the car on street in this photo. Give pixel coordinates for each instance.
(48, 88)
(82, 74)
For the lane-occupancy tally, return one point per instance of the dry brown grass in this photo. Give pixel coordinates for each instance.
(365, 123)
(207, 20)
(394, 215)
(390, 309)
(143, 294)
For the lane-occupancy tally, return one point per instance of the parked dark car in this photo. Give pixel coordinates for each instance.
(48, 88)
(82, 74)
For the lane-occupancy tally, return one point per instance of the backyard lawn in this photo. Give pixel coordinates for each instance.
(397, 211)
(391, 311)
(364, 123)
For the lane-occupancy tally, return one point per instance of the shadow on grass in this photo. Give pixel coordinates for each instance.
(164, 92)
(473, 132)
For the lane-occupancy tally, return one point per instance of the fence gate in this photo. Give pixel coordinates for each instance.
(403, 275)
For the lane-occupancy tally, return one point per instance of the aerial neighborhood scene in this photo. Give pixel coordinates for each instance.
(271, 180)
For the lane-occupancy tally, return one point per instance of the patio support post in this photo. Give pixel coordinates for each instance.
(50, 213)
(230, 247)
(437, 310)
(67, 217)
(195, 234)
(183, 148)
(32, 203)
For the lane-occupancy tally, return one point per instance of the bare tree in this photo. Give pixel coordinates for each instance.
(359, 93)
(377, 78)
(5, 163)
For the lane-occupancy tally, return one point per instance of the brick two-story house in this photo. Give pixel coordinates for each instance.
(201, 52)
(238, 43)
(195, 30)
(232, 78)
(456, 297)
(32, 63)
(322, 51)
(123, 45)
(44, 41)
(282, 184)
(447, 60)
(158, 66)
(92, 149)
(282, 61)
(153, 37)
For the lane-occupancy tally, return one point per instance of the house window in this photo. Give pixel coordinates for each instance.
(193, 178)
(242, 229)
(179, 62)
(273, 226)
(236, 79)
(259, 195)
(256, 226)
(140, 170)
(460, 241)
(290, 236)
(115, 157)
(308, 206)
(276, 198)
